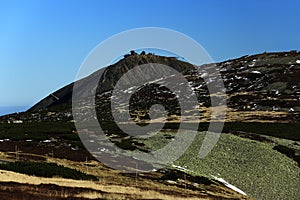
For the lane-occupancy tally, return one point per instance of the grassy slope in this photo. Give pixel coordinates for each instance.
(252, 166)
(111, 185)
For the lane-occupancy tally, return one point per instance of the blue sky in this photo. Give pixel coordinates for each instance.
(43, 43)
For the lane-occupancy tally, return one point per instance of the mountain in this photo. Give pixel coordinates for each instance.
(258, 150)
(259, 88)
(262, 94)
(112, 74)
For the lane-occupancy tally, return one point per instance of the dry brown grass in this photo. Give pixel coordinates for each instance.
(111, 185)
(105, 191)
(231, 116)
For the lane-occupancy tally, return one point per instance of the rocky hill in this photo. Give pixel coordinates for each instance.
(260, 88)
(260, 134)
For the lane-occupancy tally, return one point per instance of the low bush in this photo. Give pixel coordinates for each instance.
(48, 170)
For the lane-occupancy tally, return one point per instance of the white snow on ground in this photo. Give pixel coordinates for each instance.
(130, 90)
(172, 182)
(156, 80)
(238, 77)
(298, 61)
(179, 167)
(103, 149)
(252, 64)
(204, 75)
(256, 72)
(229, 185)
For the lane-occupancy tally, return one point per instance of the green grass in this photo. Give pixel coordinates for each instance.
(37, 130)
(252, 166)
(280, 130)
(42, 130)
(46, 170)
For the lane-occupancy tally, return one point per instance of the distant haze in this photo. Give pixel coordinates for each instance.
(12, 109)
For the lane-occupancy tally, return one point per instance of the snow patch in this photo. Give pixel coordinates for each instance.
(238, 77)
(130, 90)
(252, 64)
(229, 185)
(75, 148)
(256, 72)
(171, 182)
(298, 61)
(179, 167)
(103, 149)
(204, 75)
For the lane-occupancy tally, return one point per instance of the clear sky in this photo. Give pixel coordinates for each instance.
(43, 42)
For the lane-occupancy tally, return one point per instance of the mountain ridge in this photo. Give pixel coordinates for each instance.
(261, 87)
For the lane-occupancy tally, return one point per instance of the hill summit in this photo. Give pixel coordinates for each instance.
(259, 88)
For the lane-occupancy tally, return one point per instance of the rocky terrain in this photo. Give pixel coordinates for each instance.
(262, 115)
(259, 88)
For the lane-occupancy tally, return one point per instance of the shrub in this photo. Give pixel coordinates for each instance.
(48, 170)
